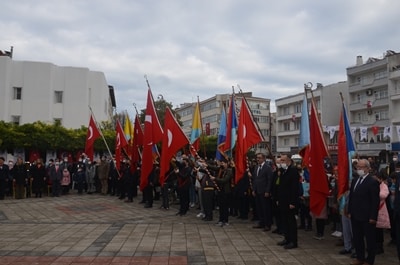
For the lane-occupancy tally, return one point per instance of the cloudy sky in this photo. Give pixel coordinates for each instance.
(202, 48)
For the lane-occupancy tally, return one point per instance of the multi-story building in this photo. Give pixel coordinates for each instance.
(211, 110)
(40, 91)
(374, 95)
(288, 115)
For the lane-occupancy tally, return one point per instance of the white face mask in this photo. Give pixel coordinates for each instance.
(278, 165)
(360, 172)
(284, 166)
(394, 159)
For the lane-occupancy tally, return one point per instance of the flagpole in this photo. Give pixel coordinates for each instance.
(101, 132)
(319, 121)
(202, 144)
(258, 127)
(137, 115)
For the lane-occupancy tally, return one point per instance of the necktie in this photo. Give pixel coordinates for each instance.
(360, 179)
(259, 169)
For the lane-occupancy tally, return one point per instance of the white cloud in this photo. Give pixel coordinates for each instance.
(199, 48)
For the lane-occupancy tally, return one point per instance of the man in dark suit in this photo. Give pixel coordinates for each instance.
(288, 201)
(262, 187)
(4, 177)
(363, 211)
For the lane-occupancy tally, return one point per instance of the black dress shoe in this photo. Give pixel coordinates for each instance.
(282, 243)
(290, 246)
(275, 231)
(344, 252)
(148, 206)
(266, 229)
(258, 226)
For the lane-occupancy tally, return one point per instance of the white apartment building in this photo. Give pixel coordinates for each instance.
(41, 91)
(211, 110)
(288, 115)
(374, 95)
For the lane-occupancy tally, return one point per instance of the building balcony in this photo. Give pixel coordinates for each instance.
(359, 87)
(372, 149)
(395, 74)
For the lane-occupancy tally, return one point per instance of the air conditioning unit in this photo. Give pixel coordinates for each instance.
(369, 92)
(369, 112)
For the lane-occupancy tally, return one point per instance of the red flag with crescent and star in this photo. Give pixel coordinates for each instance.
(173, 139)
(120, 142)
(152, 135)
(248, 135)
(92, 134)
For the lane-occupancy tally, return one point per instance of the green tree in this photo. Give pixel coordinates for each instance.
(161, 106)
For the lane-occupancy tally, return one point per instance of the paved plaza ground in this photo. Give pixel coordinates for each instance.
(95, 229)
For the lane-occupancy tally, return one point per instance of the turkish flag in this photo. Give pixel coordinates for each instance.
(153, 133)
(173, 139)
(319, 190)
(137, 143)
(92, 134)
(248, 135)
(375, 130)
(120, 142)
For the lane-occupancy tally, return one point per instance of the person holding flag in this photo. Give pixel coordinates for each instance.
(153, 134)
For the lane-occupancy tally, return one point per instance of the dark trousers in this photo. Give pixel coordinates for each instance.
(263, 205)
(183, 194)
(148, 195)
(3, 184)
(361, 230)
(55, 188)
(397, 231)
(276, 213)
(320, 225)
(379, 238)
(208, 203)
(223, 207)
(289, 224)
(165, 196)
(243, 202)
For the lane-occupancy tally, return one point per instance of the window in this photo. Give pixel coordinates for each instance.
(379, 136)
(255, 111)
(209, 106)
(58, 96)
(286, 126)
(17, 93)
(57, 121)
(296, 141)
(286, 141)
(15, 119)
(286, 111)
(381, 94)
(261, 119)
(297, 124)
(381, 115)
(265, 132)
(380, 75)
(362, 116)
(297, 108)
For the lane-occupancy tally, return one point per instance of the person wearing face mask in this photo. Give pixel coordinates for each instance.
(288, 200)
(363, 212)
(392, 164)
(55, 173)
(275, 188)
(262, 187)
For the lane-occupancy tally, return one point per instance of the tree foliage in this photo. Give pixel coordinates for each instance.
(161, 106)
(41, 137)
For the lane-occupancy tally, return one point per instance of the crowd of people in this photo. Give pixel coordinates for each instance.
(273, 193)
